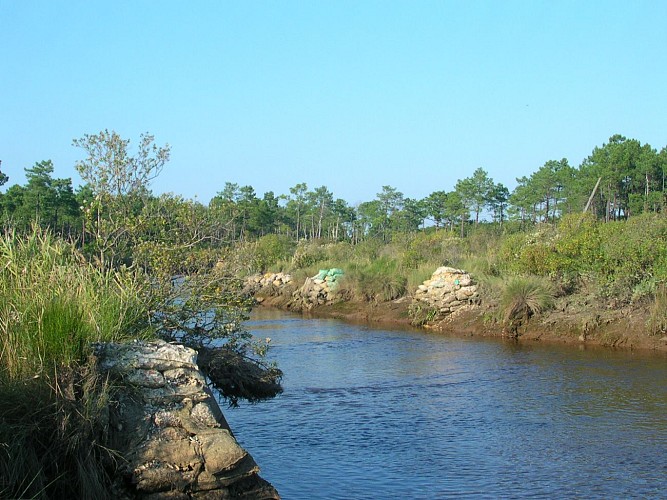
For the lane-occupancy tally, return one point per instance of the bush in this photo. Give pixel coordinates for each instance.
(271, 249)
(632, 250)
(307, 254)
(524, 297)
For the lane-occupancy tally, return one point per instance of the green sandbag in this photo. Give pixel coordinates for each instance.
(322, 274)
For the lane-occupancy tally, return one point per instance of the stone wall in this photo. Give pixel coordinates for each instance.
(447, 290)
(268, 283)
(169, 429)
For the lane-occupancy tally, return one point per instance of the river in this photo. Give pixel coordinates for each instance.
(375, 413)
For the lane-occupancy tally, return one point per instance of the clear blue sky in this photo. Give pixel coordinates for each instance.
(352, 95)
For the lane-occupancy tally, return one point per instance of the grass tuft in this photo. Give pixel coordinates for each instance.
(524, 297)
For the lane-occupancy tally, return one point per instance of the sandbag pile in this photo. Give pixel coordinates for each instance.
(448, 289)
(318, 290)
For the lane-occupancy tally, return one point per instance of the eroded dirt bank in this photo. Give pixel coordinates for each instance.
(622, 328)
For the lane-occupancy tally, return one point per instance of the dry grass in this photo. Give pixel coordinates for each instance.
(656, 323)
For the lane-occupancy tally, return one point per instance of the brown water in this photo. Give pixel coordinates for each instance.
(374, 413)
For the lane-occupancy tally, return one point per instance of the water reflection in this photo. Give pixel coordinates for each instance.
(371, 413)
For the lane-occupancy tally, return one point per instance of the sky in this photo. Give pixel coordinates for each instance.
(352, 95)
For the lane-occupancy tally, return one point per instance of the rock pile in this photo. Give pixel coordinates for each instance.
(169, 429)
(448, 289)
(319, 290)
(268, 282)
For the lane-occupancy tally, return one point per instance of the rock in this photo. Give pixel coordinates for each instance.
(447, 290)
(448, 270)
(170, 432)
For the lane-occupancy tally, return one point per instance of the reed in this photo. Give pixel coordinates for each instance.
(656, 322)
(53, 305)
(53, 405)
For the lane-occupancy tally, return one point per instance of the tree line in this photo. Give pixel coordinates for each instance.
(114, 200)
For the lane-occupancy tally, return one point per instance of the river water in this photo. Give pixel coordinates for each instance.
(376, 413)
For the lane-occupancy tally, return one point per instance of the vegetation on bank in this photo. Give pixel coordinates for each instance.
(53, 306)
(578, 259)
(620, 179)
(111, 262)
(139, 267)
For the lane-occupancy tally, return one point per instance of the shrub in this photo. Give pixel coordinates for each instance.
(633, 249)
(307, 254)
(271, 249)
(524, 297)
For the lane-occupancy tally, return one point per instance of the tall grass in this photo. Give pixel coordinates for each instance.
(375, 271)
(377, 281)
(524, 297)
(53, 305)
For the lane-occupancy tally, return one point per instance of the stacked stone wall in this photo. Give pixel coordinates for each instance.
(447, 290)
(169, 429)
(268, 282)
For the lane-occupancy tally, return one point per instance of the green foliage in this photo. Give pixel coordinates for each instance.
(271, 249)
(636, 245)
(420, 315)
(475, 191)
(308, 254)
(53, 304)
(3, 176)
(524, 297)
(44, 200)
(416, 277)
(377, 281)
(577, 245)
(572, 247)
(421, 249)
(111, 169)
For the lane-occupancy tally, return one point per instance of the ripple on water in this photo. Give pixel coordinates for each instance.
(368, 413)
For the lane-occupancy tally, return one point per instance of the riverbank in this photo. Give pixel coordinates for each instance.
(570, 322)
